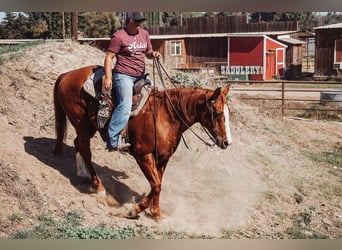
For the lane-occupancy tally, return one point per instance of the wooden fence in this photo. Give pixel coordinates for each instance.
(223, 24)
(287, 92)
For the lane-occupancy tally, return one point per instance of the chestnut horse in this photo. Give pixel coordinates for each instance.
(154, 133)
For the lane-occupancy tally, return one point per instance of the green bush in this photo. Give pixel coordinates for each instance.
(185, 80)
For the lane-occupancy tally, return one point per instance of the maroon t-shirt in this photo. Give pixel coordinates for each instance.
(130, 51)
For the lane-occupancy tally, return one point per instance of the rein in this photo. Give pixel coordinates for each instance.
(157, 64)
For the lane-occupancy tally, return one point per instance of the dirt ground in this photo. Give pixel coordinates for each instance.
(257, 188)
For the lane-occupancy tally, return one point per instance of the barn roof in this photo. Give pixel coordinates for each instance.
(330, 26)
(304, 34)
(290, 40)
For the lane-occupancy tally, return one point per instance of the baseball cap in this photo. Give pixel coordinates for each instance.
(135, 16)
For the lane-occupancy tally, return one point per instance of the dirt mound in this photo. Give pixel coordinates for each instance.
(252, 187)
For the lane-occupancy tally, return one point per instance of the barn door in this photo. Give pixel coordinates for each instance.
(280, 62)
(270, 65)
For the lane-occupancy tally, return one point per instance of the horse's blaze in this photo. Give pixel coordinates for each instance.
(227, 125)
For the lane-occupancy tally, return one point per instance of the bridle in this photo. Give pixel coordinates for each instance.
(157, 65)
(215, 132)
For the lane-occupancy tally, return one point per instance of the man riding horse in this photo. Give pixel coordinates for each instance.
(129, 45)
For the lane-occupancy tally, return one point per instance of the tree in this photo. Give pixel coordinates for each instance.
(14, 26)
(170, 18)
(262, 16)
(98, 24)
(331, 18)
(21, 26)
(306, 20)
(9, 29)
(178, 18)
(47, 24)
(154, 19)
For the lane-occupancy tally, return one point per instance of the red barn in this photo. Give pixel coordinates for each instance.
(248, 56)
(230, 45)
(255, 57)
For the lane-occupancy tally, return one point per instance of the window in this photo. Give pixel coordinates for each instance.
(176, 48)
(338, 51)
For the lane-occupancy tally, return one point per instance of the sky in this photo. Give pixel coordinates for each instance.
(3, 14)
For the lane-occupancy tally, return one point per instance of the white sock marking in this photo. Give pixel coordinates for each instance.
(81, 167)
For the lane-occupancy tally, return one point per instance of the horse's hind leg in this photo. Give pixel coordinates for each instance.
(81, 167)
(83, 160)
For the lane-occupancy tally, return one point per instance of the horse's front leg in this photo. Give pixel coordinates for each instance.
(154, 205)
(148, 166)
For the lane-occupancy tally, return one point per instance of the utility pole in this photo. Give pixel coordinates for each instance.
(74, 25)
(63, 25)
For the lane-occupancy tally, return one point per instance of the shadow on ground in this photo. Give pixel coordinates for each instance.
(42, 149)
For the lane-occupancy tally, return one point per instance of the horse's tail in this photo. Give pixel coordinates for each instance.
(60, 119)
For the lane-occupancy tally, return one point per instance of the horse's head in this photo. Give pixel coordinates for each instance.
(217, 118)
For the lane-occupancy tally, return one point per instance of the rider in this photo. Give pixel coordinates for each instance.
(129, 46)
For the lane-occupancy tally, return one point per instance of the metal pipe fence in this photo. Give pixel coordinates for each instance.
(295, 88)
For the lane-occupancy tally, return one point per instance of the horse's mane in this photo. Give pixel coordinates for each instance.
(184, 100)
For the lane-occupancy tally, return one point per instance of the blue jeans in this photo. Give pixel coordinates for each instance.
(123, 85)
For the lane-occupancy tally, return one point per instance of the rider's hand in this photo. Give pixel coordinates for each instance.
(106, 84)
(156, 54)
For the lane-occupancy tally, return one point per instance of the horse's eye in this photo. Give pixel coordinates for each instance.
(218, 114)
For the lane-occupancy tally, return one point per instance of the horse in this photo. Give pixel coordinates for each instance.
(154, 133)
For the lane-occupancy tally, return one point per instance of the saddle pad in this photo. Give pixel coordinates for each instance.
(145, 92)
(93, 84)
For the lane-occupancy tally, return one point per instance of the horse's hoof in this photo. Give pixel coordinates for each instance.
(159, 218)
(102, 194)
(132, 214)
(130, 217)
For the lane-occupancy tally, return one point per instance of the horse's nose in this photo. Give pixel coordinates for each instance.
(225, 144)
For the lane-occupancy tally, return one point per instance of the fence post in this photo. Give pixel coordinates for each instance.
(282, 98)
(74, 26)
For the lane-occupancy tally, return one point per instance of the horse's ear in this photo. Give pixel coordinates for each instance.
(216, 94)
(226, 90)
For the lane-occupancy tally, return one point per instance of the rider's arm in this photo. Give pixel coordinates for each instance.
(107, 79)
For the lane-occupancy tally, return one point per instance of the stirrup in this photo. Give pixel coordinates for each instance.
(122, 144)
